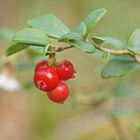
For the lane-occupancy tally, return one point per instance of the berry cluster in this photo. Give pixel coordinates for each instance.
(51, 80)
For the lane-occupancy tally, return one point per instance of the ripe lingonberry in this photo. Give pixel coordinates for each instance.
(65, 70)
(46, 79)
(41, 64)
(59, 94)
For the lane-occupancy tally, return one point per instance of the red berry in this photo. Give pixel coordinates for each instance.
(41, 64)
(60, 93)
(46, 79)
(65, 70)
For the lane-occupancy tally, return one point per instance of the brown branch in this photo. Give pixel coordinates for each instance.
(118, 52)
(101, 48)
(115, 52)
(59, 49)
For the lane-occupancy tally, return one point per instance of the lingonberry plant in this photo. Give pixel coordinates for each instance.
(50, 74)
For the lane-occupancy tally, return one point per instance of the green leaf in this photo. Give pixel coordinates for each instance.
(81, 29)
(70, 36)
(113, 43)
(31, 36)
(76, 33)
(50, 25)
(16, 48)
(6, 34)
(119, 67)
(134, 42)
(109, 42)
(83, 46)
(98, 40)
(122, 112)
(92, 19)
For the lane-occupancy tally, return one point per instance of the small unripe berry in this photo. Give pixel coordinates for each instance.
(46, 79)
(65, 70)
(59, 94)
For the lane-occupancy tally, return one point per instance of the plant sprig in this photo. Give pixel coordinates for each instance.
(42, 29)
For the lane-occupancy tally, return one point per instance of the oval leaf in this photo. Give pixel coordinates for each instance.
(98, 40)
(31, 36)
(83, 46)
(16, 48)
(50, 25)
(81, 29)
(134, 42)
(70, 36)
(119, 67)
(113, 43)
(109, 42)
(75, 34)
(92, 19)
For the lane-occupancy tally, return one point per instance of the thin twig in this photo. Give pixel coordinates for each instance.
(115, 52)
(118, 52)
(59, 49)
(101, 48)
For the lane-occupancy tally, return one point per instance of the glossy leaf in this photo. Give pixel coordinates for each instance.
(81, 29)
(83, 46)
(50, 25)
(113, 43)
(70, 36)
(92, 19)
(31, 36)
(119, 67)
(16, 48)
(75, 34)
(134, 42)
(109, 42)
(98, 40)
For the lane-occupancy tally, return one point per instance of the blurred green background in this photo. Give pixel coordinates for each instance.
(28, 114)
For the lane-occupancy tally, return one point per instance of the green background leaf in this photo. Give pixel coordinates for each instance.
(50, 25)
(119, 67)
